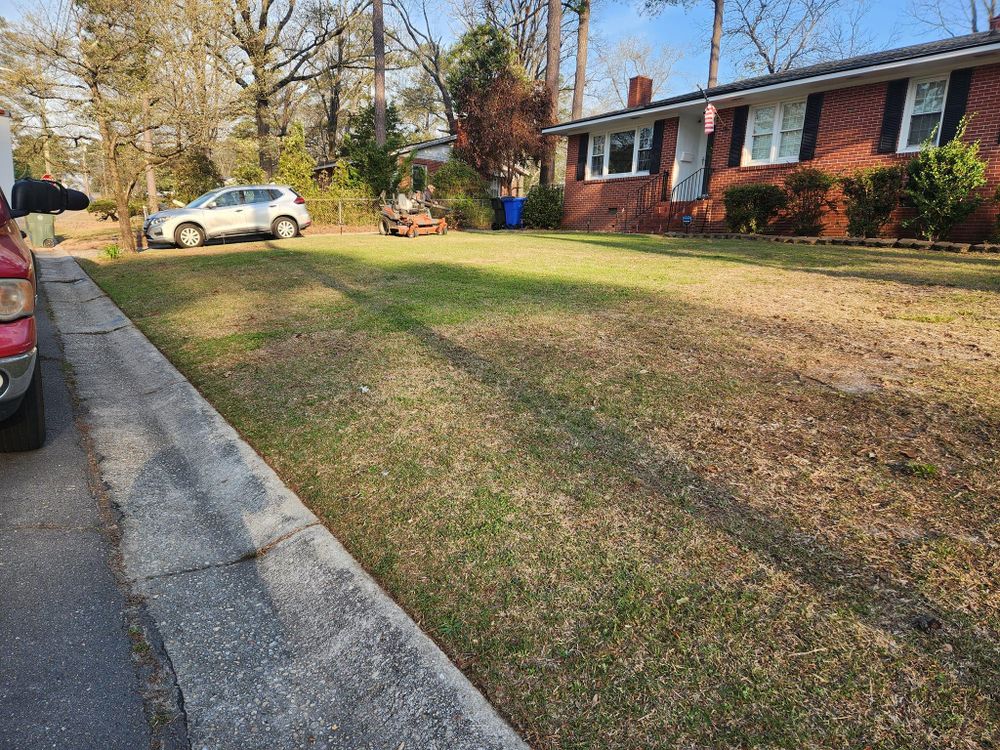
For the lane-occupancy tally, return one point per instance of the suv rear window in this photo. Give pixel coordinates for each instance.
(275, 194)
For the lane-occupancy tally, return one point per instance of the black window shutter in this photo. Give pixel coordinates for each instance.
(954, 105)
(657, 149)
(581, 155)
(810, 128)
(740, 115)
(892, 115)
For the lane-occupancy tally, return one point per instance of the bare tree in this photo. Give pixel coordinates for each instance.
(615, 64)
(715, 50)
(278, 39)
(582, 40)
(417, 38)
(553, 47)
(770, 36)
(101, 64)
(954, 17)
(524, 20)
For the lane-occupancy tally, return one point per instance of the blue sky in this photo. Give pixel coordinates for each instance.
(686, 30)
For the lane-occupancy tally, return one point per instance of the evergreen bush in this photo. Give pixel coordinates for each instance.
(871, 195)
(807, 191)
(543, 208)
(942, 184)
(750, 208)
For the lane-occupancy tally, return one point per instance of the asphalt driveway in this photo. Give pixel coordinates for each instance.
(67, 677)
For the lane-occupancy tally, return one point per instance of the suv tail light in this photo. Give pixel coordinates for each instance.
(300, 200)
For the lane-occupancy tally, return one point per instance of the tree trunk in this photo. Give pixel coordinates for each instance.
(152, 201)
(580, 78)
(378, 38)
(114, 176)
(333, 121)
(713, 60)
(262, 114)
(553, 32)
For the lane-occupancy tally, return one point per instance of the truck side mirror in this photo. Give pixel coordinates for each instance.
(44, 197)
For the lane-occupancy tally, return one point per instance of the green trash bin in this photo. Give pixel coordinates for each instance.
(42, 230)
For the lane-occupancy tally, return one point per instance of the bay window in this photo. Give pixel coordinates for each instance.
(923, 113)
(621, 153)
(774, 133)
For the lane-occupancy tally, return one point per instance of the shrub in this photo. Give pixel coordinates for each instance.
(942, 184)
(105, 209)
(194, 173)
(807, 190)
(456, 178)
(871, 195)
(543, 207)
(112, 251)
(470, 213)
(295, 165)
(750, 208)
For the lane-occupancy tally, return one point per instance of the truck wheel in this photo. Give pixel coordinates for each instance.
(25, 429)
(284, 228)
(189, 235)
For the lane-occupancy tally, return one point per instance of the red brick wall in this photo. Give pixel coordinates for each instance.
(848, 134)
(596, 204)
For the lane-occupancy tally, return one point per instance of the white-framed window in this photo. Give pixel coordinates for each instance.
(774, 133)
(621, 153)
(923, 112)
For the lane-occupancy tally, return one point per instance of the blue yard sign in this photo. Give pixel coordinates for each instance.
(687, 219)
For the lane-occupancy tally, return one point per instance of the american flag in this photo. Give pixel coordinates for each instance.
(710, 114)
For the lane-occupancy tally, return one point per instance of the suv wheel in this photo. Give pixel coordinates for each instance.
(24, 430)
(284, 228)
(189, 235)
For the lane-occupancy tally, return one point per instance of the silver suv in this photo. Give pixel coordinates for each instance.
(228, 211)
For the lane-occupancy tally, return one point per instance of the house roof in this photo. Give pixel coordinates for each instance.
(421, 145)
(944, 47)
(409, 148)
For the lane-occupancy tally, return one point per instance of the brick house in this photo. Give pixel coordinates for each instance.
(645, 167)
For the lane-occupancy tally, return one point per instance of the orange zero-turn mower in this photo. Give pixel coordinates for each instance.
(406, 217)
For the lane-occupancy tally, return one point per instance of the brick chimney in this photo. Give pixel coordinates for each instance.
(995, 23)
(640, 91)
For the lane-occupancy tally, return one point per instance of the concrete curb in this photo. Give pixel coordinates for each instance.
(277, 636)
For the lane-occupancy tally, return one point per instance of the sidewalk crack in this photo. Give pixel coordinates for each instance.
(254, 554)
(95, 333)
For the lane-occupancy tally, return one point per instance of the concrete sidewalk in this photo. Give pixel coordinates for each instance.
(277, 637)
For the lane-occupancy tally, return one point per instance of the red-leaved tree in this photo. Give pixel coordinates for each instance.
(499, 111)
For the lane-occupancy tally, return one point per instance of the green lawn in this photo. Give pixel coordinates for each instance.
(646, 493)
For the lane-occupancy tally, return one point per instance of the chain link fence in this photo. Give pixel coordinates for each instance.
(364, 214)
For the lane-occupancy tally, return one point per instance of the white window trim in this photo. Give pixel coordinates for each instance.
(607, 154)
(779, 116)
(911, 97)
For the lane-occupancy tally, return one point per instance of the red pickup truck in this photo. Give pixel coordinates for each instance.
(22, 412)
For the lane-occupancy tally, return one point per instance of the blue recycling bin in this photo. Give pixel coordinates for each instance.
(512, 209)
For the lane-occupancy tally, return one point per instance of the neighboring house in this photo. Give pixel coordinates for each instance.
(645, 167)
(428, 157)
